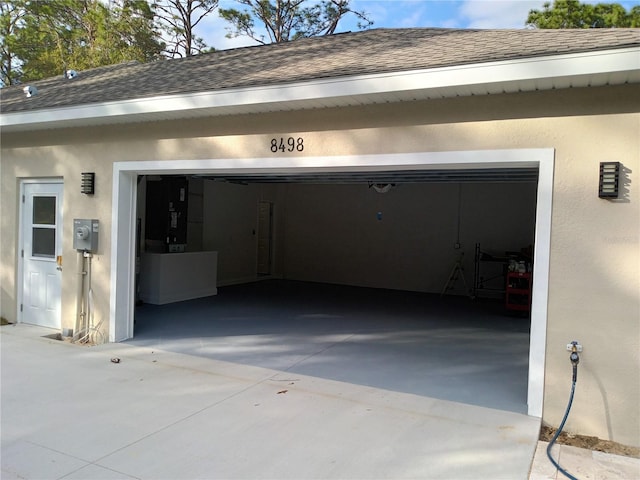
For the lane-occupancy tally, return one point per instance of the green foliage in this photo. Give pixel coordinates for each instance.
(573, 14)
(286, 20)
(53, 36)
(11, 14)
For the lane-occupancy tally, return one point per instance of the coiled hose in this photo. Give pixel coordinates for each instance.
(575, 359)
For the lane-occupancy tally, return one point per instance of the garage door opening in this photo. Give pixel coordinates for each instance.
(403, 237)
(319, 219)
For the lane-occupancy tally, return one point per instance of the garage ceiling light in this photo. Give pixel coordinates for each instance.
(381, 187)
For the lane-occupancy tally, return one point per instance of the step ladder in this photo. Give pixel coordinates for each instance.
(456, 272)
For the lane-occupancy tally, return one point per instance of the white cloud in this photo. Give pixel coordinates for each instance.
(448, 14)
(496, 13)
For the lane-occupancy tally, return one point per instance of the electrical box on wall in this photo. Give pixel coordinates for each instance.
(85, 234)
(166, 215)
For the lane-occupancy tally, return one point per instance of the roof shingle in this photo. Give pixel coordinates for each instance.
(360, 53)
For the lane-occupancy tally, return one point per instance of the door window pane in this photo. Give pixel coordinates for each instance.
(43, 242)
(44, 210)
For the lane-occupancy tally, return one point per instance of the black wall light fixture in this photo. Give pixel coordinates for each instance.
(609, 180)
(87, 183)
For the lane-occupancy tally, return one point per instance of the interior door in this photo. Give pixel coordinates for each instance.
(41, 253)
(265, 215)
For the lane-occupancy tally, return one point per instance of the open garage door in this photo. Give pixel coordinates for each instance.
(411, 239)
(342, 219)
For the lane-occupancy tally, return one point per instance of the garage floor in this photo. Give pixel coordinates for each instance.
(449, 348)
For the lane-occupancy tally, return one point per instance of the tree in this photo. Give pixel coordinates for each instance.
(53, 36)
(137, 34)
(610, 15)
(179, 18)
(11, 14)
(286, 20)
(573, 14)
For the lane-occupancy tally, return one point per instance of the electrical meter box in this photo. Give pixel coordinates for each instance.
(85, 235)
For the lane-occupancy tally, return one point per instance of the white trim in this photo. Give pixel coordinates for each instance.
(351, 163)
(540, 289)
(342, 89)
(123, 250)
(124, 208)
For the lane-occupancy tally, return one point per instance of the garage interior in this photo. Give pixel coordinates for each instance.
(393, 279)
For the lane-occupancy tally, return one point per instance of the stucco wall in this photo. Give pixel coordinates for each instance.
(594, 284)
(65, 163)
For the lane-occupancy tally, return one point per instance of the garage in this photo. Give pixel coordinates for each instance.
(432, 101)
(393, 279)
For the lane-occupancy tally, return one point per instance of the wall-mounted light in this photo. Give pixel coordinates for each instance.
(87, 183)
(609, 179)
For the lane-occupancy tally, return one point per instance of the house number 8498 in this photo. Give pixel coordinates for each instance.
(287, 144)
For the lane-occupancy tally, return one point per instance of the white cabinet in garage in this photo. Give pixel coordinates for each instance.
(174, 277)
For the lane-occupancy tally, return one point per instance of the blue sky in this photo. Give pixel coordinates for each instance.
(412, 13)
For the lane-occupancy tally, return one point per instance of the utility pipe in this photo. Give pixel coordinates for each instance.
(87, 297)
(79, 294)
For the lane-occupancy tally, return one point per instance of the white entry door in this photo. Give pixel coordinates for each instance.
(41, 253)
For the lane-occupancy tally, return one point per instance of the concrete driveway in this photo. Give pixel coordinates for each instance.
(69, 412)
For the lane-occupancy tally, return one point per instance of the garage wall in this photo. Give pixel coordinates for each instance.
(230, 227)
(350, 234)
(404, 239)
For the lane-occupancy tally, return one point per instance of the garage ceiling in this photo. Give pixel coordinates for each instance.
(487, 175)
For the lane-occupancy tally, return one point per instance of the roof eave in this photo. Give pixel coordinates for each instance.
(595, 68)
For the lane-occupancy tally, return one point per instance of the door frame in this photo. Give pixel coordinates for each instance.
(20, 245)
(122, 294)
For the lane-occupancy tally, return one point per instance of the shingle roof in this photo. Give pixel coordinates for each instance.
(367, 52)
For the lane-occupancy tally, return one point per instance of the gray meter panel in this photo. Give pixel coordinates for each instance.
(85, 234)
